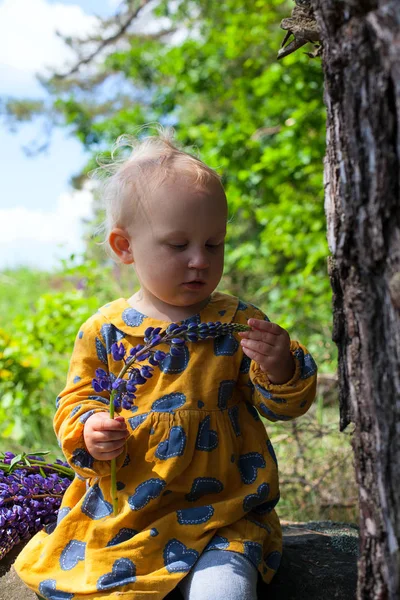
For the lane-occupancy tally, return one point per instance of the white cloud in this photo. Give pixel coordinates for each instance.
(22, 229)
(28, 40)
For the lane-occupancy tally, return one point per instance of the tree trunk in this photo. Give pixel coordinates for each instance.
(361, 61)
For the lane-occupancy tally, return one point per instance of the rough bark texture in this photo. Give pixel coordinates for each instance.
(361, 61)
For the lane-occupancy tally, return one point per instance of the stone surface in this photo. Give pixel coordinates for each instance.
(319, 563)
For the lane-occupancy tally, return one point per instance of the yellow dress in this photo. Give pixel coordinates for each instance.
(198, 471)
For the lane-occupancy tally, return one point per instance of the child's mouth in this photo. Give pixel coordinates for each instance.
(194, 285)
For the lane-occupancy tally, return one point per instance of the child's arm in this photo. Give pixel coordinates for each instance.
(78, 401)
(283, 373)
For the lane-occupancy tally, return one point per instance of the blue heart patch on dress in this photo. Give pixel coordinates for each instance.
(253, 500)
(47, 589)
(273, 560)
(174, 445)
(245, 364)
(270, 396)
(94, 505)
(225, 345)
(225, 392)
(202, 486)
(254, 552)
(307, 363)
(175, 364)
(111, 335)
(81, 458)
(207, 439)
(62, 513)
(132, 317)
(123, 535)
(272, 451)
(101, 351)
(146, 491)
(271, 415)
(137, 420)
(266, 507)
(84, 416)
(248, 465)
(73, 552)
(169, 402)
(178, 558)
(195, 515)
(154, 532)
(50, 527)
(75, 410)
(126, 461)
(233, 413)
(99, 399)
(217, 542)
(123, 572)
(253, 411)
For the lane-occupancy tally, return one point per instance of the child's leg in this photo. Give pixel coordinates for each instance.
(221, 575)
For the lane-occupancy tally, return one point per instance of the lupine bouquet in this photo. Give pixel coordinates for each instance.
(30, 495)
(31, 490)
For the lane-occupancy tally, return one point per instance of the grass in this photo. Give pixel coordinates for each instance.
(316, 471)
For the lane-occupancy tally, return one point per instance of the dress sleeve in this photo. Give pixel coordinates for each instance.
(78, 401)
(285, 401)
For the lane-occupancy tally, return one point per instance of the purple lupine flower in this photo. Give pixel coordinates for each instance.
(148, 332)
(178, 341)
(118, 351)
(102, 382)
(176, 350)
(136, 349)
(146, 372)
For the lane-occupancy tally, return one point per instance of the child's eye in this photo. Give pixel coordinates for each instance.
(178, 246)
(213, 245)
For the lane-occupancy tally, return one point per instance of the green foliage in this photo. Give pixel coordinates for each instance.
(22, 383)
(19, 289)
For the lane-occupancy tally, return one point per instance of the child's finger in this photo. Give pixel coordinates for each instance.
(106, 424)
(256, 356)
(257, 335)
(262, 346)
(273, 328)
(106, 436)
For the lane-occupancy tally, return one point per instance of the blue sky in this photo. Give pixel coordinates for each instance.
(40, 214)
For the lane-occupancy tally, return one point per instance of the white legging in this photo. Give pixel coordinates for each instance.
(220, 575)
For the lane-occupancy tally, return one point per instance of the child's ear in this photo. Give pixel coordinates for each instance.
(119, 241)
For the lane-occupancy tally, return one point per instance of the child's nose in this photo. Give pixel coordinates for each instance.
(199, 260)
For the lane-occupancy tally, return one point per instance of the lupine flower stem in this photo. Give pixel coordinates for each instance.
(175, 335)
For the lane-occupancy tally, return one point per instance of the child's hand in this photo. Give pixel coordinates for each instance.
(105, 437)
(269, 346)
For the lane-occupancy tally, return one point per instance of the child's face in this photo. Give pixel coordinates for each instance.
(177, 243)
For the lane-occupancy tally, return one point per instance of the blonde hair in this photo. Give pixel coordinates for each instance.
(128, 181)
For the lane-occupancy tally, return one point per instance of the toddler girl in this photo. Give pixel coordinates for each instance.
(197, 475)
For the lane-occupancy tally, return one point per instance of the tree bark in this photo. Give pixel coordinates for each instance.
(361, 61)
